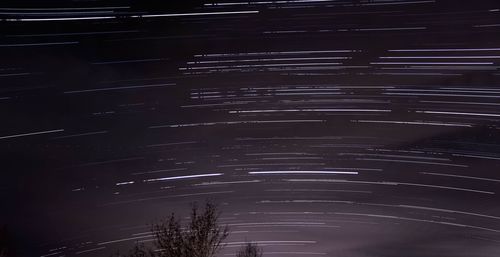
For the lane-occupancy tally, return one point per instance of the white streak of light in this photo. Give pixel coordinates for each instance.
(91, 250)
(184, 177)
(193, 14)
(459, 176)
(125, 183)
(388, 183)
(461, 113)
(225, 183)
(446, 50)
(122, 240)
(32, 133)
(264, 242)
(303, 172)
(117, 88)
(311, 110)
(414, 123)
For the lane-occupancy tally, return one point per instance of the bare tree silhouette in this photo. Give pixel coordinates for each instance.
(250, 250)
(139, 250)
(202, 237)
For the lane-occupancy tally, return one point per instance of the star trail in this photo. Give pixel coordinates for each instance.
(320, 127)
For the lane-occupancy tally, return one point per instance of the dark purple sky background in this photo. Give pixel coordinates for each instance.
(321, 128)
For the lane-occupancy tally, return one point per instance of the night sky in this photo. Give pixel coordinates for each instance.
(333, 128)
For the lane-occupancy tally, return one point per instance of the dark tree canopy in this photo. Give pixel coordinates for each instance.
(250, 250)
(202, 237)
(139, 250)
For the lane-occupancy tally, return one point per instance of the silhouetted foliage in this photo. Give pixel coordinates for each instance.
(202, 237)
(139, 250)
(250, 250)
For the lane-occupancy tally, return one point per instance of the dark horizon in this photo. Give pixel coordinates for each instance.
(321, 128)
